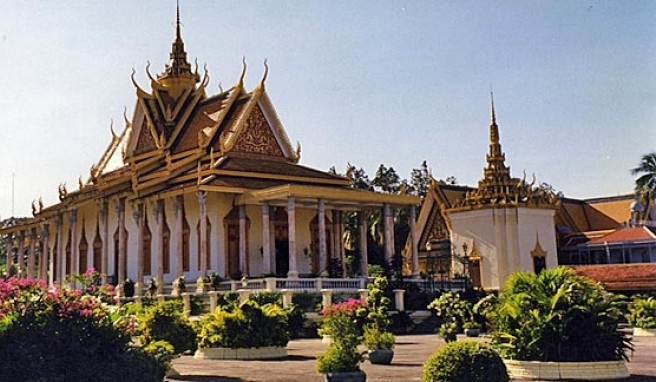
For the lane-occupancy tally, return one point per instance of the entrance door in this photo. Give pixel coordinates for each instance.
(282, 249)
(475, 273)
(233, 250)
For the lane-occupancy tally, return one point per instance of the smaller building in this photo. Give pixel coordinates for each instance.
(489, 232)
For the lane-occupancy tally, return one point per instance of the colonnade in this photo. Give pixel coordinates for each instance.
(47, 265)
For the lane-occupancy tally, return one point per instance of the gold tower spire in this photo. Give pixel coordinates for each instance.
(178, 70)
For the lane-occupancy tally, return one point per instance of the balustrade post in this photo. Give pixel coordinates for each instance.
(326, 298)
(398, 299)
(287, 295)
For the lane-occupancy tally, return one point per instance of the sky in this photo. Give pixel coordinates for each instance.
(361, 82)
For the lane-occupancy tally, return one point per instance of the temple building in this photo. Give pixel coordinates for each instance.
(198, 183)
(506, 225)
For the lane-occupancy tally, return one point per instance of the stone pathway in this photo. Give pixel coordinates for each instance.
(410, 353)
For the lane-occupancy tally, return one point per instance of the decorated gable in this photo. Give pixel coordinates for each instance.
(145, 141)
(257, 136)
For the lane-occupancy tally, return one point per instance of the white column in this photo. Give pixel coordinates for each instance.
(272, 240)
(202, 208)
(158, 211)
(179, 253)
(138, 215)
(364, 255)
(414, 253)
(120, 210)
(266, 238)
(243, 259)
(21, 253)
(10, 253)
(291, 223)
(340, 241)
(61, 259)
(103, 215)
(75, 253)
(30, 254)
(323, 251)
(389, 233)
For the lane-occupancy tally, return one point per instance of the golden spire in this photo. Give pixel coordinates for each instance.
(178, 69)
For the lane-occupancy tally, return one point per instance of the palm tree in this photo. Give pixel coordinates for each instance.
(646, 181)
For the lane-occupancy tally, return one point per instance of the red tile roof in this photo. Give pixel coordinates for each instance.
(625, 235)
(622, 277)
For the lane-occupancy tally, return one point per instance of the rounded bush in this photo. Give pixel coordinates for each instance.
(165, 322)
(469, 361)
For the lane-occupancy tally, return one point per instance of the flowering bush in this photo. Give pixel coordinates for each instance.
(65, 335)
(90, 283)
(350, 315)
(344, 322)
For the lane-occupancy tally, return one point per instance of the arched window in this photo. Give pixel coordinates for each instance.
(83, 251)
(116, 247)
(97, 250)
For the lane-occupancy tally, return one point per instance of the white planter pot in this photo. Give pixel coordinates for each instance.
(639, 332)
(553, 371)
(269, 352)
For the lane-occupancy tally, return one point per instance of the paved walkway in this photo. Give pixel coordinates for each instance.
(410, 353)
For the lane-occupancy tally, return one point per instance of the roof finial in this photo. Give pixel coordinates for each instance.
(494, 117)
(178, 35)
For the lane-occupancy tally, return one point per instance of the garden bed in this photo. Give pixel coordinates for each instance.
(554, 371)
(268, 352)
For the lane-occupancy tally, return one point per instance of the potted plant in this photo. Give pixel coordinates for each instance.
(453, 312)
(471, 328)
(244, 331)
(642, 316)
(341, 360)
(558, 324)
(214, 281)
(128, 288)
(378, 340)
(151, 287)
(179, 286)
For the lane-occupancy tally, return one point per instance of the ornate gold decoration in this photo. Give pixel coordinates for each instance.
(537, 251)
(498, 188)
(257, 137)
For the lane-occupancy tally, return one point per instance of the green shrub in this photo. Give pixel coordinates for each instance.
(557, 316)
(246, 326)
(642, 313)
(469, 361)
(338, 357)
(453, 312)
(376, 334)
(165, 322)
(263, 298)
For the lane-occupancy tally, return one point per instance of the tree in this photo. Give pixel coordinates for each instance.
(387, 180)
(645, 184)
(419, 180)
(359, 178)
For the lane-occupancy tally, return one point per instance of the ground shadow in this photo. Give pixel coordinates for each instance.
(641, 378)
(296, 358)
(202, 378)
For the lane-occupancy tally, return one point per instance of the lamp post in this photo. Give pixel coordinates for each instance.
(430, 264)
(465, 264)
